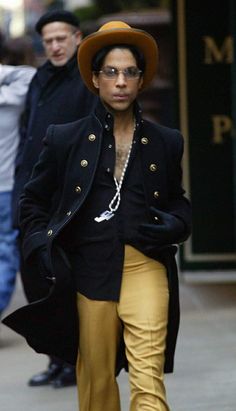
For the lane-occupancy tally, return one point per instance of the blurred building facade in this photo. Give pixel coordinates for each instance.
(18, 16)
(205, 92)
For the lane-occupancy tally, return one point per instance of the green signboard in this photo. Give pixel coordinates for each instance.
(204, 64)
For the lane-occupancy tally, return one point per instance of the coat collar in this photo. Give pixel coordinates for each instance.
(47, 71)
(106, 118)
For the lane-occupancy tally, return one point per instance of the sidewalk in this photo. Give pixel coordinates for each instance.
(205, 367)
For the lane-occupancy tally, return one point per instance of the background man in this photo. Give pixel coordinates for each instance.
(120, 209)
(56, 95)
(14, 83)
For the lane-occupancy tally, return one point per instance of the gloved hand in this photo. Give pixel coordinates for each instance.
(166, 228)
(44, 264)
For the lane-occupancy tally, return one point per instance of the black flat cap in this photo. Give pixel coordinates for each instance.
(57, 15)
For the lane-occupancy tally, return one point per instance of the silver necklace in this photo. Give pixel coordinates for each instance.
(115, 202)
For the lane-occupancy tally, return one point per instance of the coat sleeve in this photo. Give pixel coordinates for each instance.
(36, 200)
(178, 203)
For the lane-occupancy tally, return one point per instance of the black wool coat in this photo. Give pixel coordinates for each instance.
(63, 177)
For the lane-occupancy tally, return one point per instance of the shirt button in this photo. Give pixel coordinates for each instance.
(68, 213)
(153, 167)
(84, 163)
(156, 218)
(92, 137)
(50, 232)
(110, 146)
(156, 194)
(108, 169)
(78, 189)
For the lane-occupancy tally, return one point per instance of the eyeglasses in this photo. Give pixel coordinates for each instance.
(111, 73)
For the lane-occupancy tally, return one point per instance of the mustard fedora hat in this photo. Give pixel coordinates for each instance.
(112, 33)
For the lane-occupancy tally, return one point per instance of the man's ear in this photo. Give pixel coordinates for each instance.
(95, 80)
(78, 36)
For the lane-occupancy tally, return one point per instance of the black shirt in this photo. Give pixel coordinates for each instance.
(98, 248)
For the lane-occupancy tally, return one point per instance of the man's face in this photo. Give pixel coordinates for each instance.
(118, 93)
(60, 42)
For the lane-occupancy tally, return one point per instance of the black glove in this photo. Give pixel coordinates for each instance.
(44, 263)
(166, 228)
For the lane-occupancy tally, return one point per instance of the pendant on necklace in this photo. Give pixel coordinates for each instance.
(106, 215)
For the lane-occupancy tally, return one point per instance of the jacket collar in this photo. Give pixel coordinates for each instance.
(107, 120)
(47, 71)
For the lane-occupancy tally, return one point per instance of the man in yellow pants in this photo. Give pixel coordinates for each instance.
(120, 212)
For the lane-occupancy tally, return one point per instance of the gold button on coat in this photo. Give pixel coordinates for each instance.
(153, 167)
(50, 232)
(84, 163)
(78, 189)
(156, 194)
(144, 140)
(92, 137)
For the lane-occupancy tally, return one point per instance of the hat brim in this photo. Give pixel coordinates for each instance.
(94, 42)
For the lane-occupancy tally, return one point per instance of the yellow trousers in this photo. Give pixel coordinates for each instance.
(141, 314)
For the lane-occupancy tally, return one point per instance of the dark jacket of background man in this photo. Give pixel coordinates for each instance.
(56, 95)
